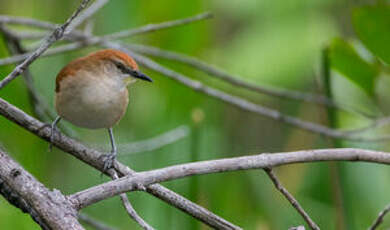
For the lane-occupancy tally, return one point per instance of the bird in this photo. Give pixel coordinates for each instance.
(91, 92)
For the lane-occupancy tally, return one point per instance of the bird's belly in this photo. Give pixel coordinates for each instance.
(92, 106)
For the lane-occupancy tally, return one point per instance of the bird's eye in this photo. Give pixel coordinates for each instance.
(119, 66)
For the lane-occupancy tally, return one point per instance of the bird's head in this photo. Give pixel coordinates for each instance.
(118, 63)
(108, 63)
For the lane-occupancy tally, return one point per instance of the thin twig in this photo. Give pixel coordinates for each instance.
(157, 27)
(240, 102)
(90, 40)
(291, 199)
(92, 158)
(380, 217)
(6, 19)
(53, 37)
(86, 14)
(230, 78)
(129, 207)
(93, 222)
(156, 142)
(260, 161)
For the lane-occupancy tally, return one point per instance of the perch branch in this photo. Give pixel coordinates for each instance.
(92, 158)
(291, 199)
(260, 161)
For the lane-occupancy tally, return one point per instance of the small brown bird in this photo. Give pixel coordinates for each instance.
(91, 92)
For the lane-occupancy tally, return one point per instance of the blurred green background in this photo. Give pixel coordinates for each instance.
(271, 43)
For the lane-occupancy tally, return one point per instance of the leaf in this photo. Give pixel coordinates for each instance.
(372, 26)
(345, 59)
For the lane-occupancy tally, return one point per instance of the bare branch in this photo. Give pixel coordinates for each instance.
(86, 14)
(93, 222)
(53, 37)
(157, 27)
(129, 208)
(291, 199)
(155, 142)
(92, 158)
(239, 102)
(232, 79)
(51, 206)
(260, 161)
(13, 198)
(6, 19)
(380, 217)
(87, 40)
(242, 103)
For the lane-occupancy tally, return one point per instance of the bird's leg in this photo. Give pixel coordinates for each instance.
(110, 158)
(53, 130)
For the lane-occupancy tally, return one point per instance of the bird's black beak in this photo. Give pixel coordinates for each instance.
(140, 75)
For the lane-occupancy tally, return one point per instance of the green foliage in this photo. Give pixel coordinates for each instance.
(372, 25)
(345, 59)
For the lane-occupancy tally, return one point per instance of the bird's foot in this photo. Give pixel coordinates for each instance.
(109, 160)
(53, 130)
(139, 187)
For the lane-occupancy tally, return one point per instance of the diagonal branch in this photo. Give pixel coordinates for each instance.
(51, 208)
(198, 86)
(380, 217)
(93, 223)
(240, 102)
(259, 161)
(92, 158)
(230, 78)
(49, 40)
(86, 14)
(87, 40)
(129, 207)
(291, 199)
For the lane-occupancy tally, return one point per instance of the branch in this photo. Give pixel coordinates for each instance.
(13, 198)
(129, 208)
(53, 37)
(157, 142)
(242, 103)
(260, 161)
(157, 27)
(87, 40)
(52, 208)
(86, 14)
(93, 222)
(92, 158)
(380, 217)
(291, 199)
(196, 85)
(232, 79)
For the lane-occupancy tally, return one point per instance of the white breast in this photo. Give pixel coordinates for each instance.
(92, 102)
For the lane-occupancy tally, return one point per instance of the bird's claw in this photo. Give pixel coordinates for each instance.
(52, 133)
(108, 160)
